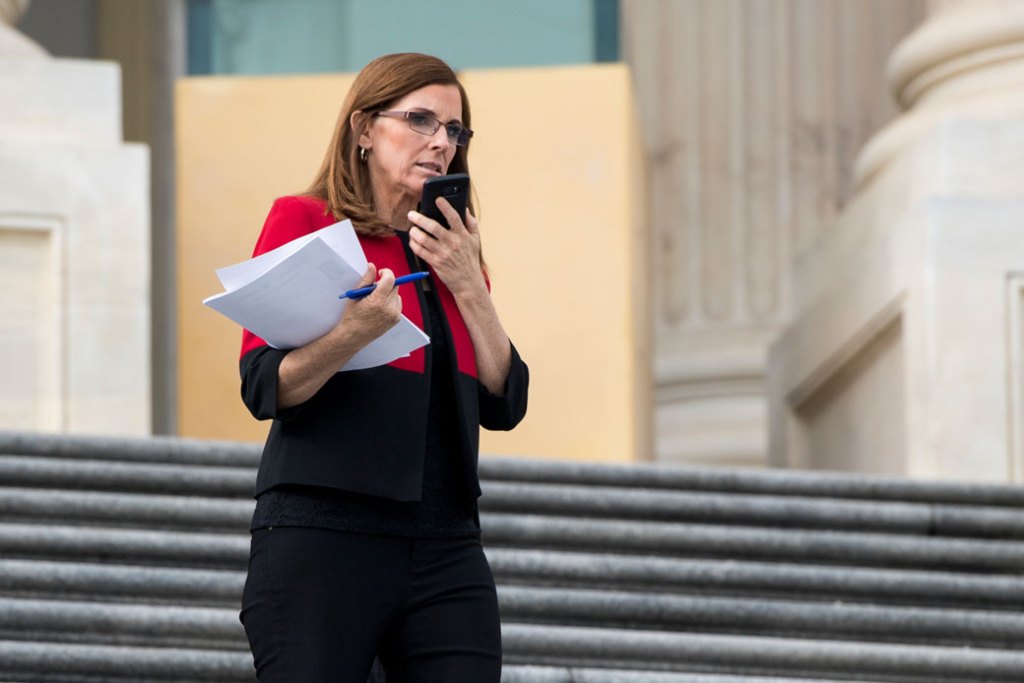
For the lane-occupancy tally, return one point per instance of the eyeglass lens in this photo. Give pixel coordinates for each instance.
(428, 125)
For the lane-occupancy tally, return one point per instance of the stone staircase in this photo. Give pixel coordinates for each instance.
(123, 560)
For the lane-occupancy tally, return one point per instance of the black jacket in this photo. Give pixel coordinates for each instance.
(365, 430)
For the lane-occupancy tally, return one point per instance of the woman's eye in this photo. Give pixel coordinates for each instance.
(419, 119)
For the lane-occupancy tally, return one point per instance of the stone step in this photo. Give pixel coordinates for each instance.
(593, 500)
(733, 577)
(173, 450)
(150, 511)
(146, 477)
(89, 663)
(575, 646)
(163, 515)
(137, 546)
(792, 512)
(543, 674)
(121, 624)
(153, 449)
(200, 626)
(217, 632)
(749, 481)
(119, 582)
(751, 616)
(70, 663)
(177, 512)
(748, 543)
(28, 473)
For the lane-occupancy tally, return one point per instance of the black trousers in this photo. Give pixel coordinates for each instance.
(318, 605)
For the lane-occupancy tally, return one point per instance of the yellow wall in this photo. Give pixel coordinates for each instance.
(557, 166)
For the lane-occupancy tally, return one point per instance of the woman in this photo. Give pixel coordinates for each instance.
(366, 537)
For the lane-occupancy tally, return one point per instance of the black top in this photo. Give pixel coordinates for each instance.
(445, 510)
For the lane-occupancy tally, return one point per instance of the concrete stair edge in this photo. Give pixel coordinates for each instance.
(594, 609)
(785, 482)
(574, 571)
(576, 646)
(640, 505)
(21, 537)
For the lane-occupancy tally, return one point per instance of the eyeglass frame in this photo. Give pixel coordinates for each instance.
(407, 115)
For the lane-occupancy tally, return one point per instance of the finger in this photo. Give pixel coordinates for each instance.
(368, 277)
(450, 214)
(385, 285)
(427, 225)
(472, 224)
(421, 237)
(387, 280)
(421, 246)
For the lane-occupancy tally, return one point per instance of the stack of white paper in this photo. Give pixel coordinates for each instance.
(289, 296)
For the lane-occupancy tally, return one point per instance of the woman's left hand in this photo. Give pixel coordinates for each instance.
(455, 253)
(455, 256)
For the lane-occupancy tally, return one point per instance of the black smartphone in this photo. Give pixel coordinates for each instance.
(454, 188)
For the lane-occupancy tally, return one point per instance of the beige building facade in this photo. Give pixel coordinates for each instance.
(833, 263)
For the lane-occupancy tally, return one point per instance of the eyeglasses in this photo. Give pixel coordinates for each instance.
(427, 124)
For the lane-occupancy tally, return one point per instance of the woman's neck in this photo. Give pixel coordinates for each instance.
(394, 209)
(398, 217)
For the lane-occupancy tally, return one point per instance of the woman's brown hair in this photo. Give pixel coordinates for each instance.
(343, 181)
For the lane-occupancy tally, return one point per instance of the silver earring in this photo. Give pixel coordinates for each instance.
(362, 154)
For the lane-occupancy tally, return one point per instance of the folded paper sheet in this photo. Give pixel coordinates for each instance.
(289, 296)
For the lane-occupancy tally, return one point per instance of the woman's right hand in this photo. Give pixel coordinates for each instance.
(368, 318)
(304, 370)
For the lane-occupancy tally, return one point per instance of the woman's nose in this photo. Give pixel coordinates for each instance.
(439, 140)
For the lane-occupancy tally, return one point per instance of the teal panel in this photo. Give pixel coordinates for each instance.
(303, 36)
(200, 39)
(476, 33)
(606, 30)
(278, 36)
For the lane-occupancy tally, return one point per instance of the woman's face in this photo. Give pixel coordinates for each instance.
(400, 159)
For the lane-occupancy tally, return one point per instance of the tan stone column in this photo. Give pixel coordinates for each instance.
(148, 40)
(753, 112)
(905, 353)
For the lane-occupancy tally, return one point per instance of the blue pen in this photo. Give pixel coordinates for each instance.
(365, 291)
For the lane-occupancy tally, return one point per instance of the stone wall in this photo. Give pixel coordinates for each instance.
(753, 113)
(905, 354)
(74, 247)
